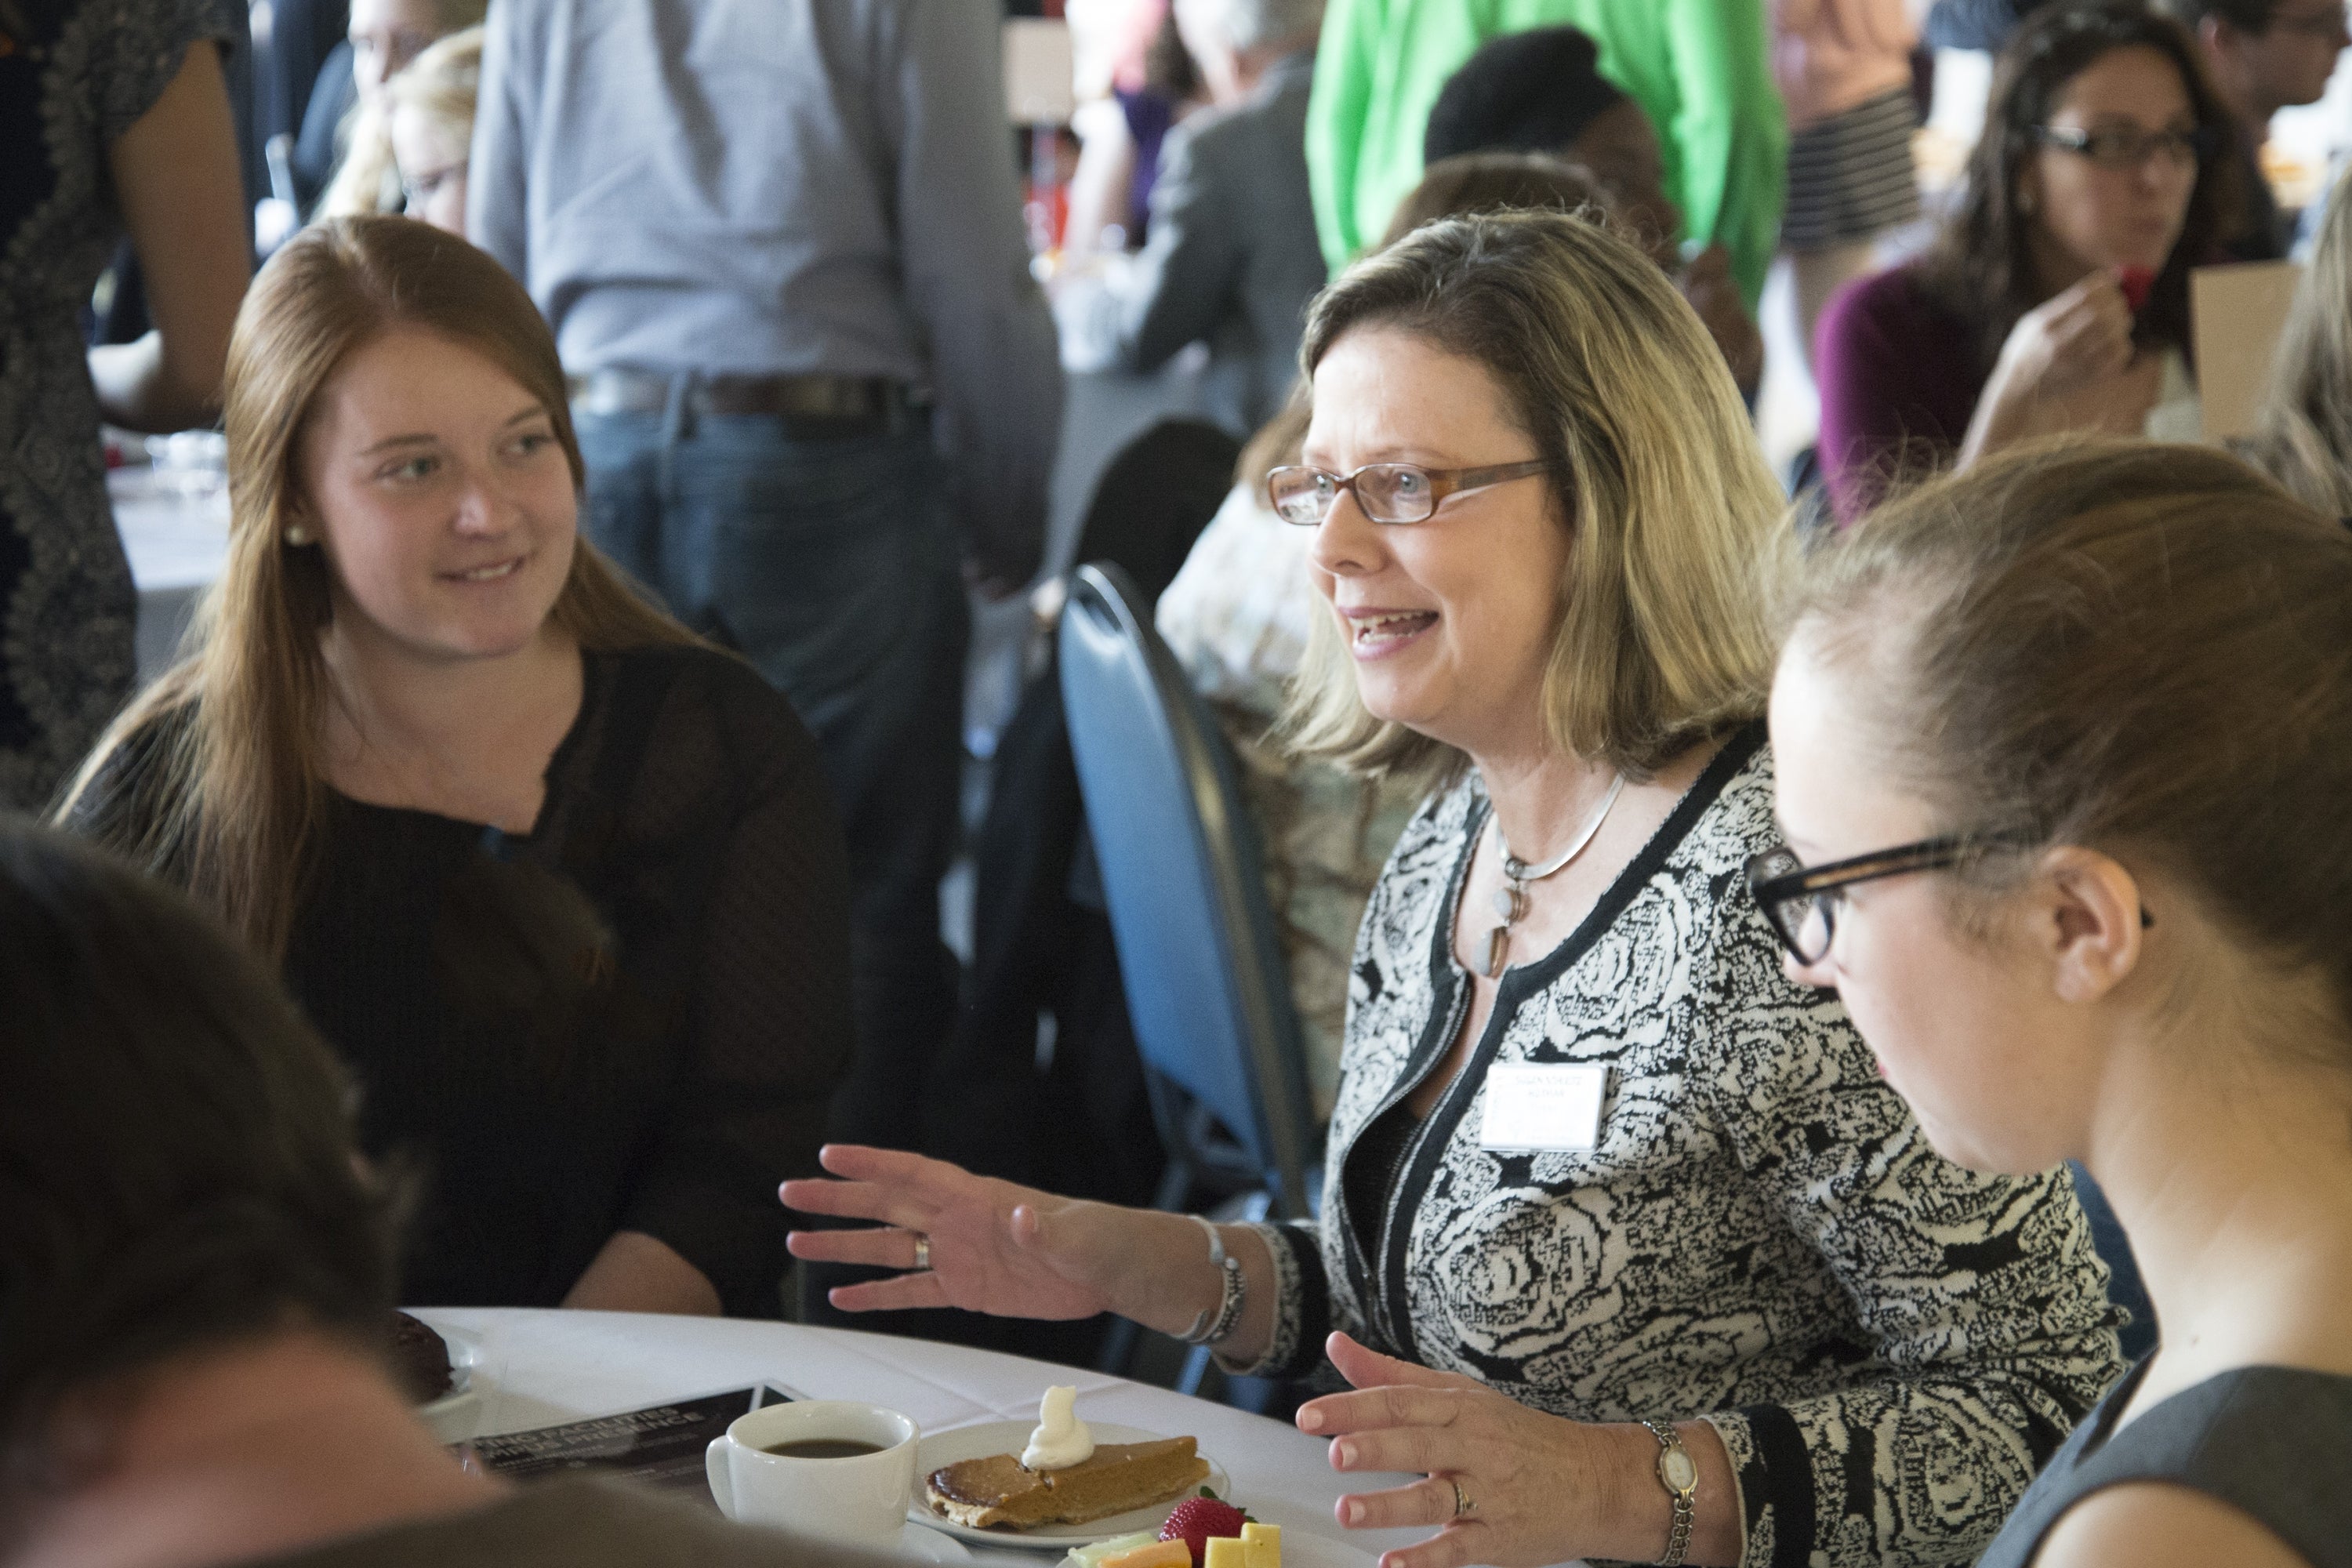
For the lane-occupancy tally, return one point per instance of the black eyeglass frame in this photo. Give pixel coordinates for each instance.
(2201, 144)
(1776, 882)
(1443, 482)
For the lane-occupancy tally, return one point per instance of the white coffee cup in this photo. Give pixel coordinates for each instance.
(860, 1498)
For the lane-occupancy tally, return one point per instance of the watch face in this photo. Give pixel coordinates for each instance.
(1677, 1469)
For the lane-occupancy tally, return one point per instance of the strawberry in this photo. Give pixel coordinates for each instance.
(1196, 1519)
(2136, 282)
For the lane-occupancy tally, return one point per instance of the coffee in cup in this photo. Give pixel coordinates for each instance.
(829, 1468)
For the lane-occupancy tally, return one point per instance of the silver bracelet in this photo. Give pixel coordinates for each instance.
(1208, 1328)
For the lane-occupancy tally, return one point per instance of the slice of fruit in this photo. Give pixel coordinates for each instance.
(1092, 1554)
(2136, 282)
(999, 1491)
(1159, 1554)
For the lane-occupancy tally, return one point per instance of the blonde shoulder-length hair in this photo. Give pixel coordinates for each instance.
(236, 769)
(442, 79)
(2303, 436)
(1665, 631)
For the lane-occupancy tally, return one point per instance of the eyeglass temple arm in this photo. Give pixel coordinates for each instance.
(1444, 482)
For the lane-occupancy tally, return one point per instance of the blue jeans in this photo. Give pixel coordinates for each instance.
(833, 565)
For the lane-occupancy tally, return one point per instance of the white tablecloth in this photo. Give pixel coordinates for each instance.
(176, 539)
(547, 1367)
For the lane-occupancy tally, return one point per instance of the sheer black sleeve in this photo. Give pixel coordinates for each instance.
(766, 1007)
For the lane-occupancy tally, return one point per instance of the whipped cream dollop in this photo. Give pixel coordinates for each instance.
(1061, 1439)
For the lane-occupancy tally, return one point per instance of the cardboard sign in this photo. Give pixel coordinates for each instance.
(2235, 316)
(1037, 80)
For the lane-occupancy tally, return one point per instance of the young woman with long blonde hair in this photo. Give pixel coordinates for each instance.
(563, 884)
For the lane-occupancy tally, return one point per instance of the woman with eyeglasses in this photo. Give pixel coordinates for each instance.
(2064, 745)
(2055, 297)
(1622, 1243)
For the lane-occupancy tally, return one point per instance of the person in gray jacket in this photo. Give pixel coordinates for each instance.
(1231, 259)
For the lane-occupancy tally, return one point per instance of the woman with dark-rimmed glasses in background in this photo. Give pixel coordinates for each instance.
(1622, 1243)
(2055, 297)
(2059, 743)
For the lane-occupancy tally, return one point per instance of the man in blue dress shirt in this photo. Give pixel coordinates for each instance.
(780, 242)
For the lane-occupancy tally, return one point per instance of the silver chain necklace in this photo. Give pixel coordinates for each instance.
(1511, 898)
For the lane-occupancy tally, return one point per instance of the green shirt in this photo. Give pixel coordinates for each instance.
(1698, 67)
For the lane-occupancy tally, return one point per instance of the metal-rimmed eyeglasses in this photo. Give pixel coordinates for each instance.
(2123, 147)
(1800, 901)
(1387, 492)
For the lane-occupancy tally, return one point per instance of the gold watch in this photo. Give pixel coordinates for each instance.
(1678, 1473)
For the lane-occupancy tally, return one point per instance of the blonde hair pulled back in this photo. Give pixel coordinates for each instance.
(2144, 650)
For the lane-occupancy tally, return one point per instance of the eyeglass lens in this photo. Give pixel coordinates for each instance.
(1806, 925)
(1388, 492)
(2122, 149)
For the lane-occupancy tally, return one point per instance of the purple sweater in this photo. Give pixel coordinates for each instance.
(1899, 376)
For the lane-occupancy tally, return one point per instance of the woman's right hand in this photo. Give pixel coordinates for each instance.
(2069, 364)
(994, 1247)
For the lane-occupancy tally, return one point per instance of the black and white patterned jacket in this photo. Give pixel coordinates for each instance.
(1889, 1344)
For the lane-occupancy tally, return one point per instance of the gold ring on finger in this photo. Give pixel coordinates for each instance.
(922, 1252)
(1462, 1503)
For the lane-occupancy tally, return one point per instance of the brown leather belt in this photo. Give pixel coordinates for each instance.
(835, 406)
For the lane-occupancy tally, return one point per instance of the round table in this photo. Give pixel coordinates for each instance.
(546, 1367)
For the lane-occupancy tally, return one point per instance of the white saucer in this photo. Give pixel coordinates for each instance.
(940, 1448)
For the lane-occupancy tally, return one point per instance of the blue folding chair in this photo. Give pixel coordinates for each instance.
(1184, 882)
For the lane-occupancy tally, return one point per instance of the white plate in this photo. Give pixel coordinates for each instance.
(457, 1415)
(1301, 1550)
(931, 1546)
(1010, 1438)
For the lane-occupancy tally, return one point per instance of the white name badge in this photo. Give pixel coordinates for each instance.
(1538, 1107)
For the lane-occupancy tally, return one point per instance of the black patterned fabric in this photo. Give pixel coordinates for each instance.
(1888, 1344)
(74, 76)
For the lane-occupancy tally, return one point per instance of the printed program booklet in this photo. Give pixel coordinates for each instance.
(661, 1445)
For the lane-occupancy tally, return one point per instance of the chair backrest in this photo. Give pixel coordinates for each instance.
(1182, 873)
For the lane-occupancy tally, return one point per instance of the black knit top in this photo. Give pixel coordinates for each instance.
(631, 1018)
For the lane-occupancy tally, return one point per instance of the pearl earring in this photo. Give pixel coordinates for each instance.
(298, 535)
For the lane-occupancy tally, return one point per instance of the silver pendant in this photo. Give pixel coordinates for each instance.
(1510, 904)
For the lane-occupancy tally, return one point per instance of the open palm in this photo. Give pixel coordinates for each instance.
(994, 1247)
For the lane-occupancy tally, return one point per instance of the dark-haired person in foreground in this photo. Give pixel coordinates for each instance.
(197, 1273)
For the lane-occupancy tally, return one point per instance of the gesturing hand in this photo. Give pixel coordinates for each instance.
(1537, 1489)
(993, 1247)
